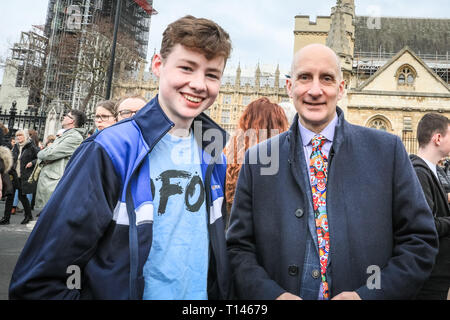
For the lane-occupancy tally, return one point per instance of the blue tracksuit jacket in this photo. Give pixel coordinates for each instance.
(100, 216)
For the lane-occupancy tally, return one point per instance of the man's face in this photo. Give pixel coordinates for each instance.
(315, 86)
(188, 83)
(68, 121)
(444, 144)
(129, 107)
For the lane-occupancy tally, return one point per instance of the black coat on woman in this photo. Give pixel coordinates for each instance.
(29, 154)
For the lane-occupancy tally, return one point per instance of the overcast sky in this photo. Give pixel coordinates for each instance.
(261, 30)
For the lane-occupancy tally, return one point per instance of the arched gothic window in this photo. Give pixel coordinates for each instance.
(406, 75)
(379, 124)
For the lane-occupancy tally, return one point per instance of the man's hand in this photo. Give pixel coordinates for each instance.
(347, 296)
(29, 164)
(288, 296)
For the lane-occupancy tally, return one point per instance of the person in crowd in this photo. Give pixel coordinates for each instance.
(128, 105)
(35, 138)
(4, 141)
(289, 110)
(12, 142)
(433, 135)
(326, 225)
(24, 159)
(260, 120)
(443, 177)
(105, 114)
(50, 139)
(5, 165)
(6, 162)
(91, 132)
(48, 142)
(54, 158)
(140, 208)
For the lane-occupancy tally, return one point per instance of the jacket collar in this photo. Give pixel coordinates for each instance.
(418, 162)
(154, 123)
(295, 138)
(81, 131)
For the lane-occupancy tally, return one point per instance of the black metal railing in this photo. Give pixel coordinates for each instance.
(28, 119)
(410, 141)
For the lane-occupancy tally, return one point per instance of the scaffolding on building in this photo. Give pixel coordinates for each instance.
(365, 64)
(29, 55)
(78, 31)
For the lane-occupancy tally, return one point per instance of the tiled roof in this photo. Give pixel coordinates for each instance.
(423, 36)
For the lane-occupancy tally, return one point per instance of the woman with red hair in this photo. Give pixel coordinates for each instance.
(261, 120)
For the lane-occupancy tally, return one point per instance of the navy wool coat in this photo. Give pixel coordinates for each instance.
(377, 216)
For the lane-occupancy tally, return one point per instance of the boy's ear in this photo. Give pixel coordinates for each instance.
(436, 138)
(156, 64)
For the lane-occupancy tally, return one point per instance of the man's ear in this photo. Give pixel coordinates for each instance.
(436, 138)
(156, 64)
(341, 89)
(289, 87)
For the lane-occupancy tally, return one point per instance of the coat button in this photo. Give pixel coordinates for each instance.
(299, 213)
(293, 270)
(315, 274)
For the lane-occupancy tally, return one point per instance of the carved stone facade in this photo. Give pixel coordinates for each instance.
(390, 89)
(236, 92)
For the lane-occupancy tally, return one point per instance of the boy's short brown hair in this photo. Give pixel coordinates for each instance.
(429, 125)
(197, 34)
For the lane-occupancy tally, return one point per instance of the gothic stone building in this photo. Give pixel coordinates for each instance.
(236, 92)
(396, 70)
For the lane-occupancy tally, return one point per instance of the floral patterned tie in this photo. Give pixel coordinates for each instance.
(318, 175)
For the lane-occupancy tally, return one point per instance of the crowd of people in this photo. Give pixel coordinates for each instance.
(30, 170)
(159, 206)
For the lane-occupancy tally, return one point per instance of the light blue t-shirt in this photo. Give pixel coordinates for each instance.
(177, 266)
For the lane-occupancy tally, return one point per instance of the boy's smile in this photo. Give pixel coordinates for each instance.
(188, 83)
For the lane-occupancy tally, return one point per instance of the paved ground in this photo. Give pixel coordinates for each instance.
(12, 240)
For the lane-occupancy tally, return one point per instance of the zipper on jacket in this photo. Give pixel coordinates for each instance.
(134, 252)
(133, 239)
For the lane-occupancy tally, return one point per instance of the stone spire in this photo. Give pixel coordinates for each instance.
(257, 77)
(341, 37)
(237, 82)
(277, 77)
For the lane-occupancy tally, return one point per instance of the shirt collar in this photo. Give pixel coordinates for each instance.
(327, 132)
(431, 165)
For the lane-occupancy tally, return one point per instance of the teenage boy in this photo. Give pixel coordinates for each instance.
(433, 135)
(139, 211)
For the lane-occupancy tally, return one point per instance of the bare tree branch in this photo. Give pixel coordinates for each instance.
(90, 65)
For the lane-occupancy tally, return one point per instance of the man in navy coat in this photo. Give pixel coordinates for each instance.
(380, 233)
